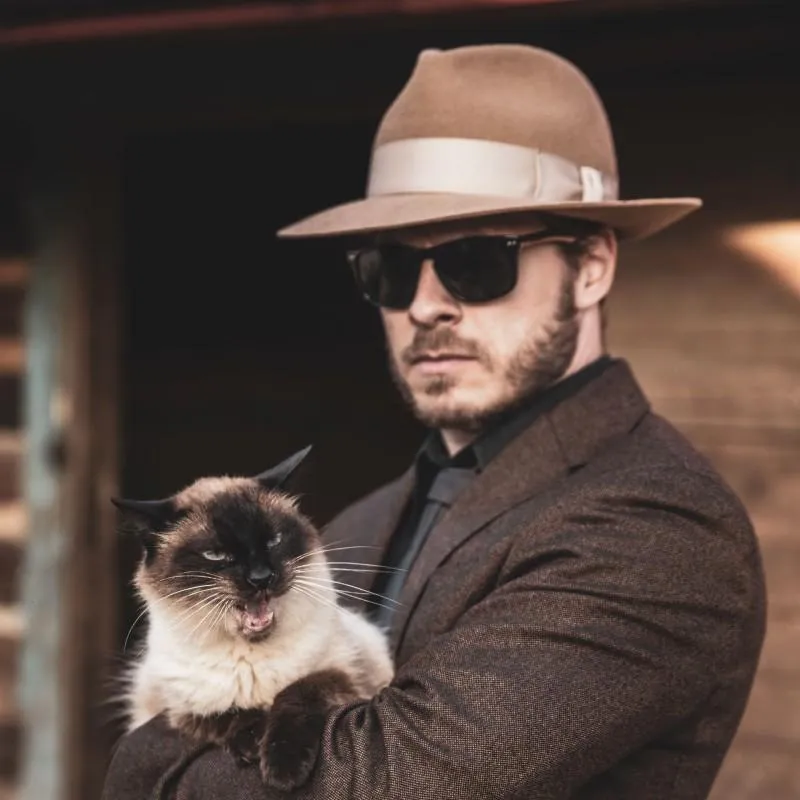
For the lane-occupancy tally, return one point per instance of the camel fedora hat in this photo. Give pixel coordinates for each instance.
(490, 130)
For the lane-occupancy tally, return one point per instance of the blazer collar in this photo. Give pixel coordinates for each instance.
(557, 442)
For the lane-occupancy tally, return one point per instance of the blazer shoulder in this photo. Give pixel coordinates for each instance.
(656, 467)
(373, 505)
(659, 456)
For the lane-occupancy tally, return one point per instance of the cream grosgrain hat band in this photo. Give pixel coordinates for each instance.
(481, 167)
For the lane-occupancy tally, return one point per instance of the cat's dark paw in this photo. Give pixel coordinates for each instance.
(238, 731)
(293, 736)
(289, 750)
(243, 738)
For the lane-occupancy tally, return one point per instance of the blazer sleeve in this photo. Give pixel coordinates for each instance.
(597, 638)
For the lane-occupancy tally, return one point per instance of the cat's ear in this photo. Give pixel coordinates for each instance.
(153, 515)
(277, 477)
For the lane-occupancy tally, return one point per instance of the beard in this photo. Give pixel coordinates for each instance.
(538, 364)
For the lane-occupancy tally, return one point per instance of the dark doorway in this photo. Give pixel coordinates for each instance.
(239, 348)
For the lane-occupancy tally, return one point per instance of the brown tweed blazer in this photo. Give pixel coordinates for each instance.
(584, 623)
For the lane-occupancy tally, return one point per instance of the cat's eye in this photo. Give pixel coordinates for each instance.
(216, 555)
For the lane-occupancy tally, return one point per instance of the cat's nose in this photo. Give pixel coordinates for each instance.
(260, 577)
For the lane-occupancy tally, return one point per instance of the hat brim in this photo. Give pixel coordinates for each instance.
(632, 219)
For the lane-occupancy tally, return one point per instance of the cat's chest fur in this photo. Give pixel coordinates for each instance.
(223, 676)
(186, 678)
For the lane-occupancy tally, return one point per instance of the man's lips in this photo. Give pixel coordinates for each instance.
(437, 362)
(434, 357)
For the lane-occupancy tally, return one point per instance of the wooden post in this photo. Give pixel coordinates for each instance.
(71, 421)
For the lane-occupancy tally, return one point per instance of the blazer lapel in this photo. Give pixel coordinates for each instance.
(558, 441)
(358, 538)
(515, 474)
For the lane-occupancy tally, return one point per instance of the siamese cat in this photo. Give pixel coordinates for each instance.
(247, 646)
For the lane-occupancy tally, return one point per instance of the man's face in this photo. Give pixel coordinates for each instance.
(458, 364)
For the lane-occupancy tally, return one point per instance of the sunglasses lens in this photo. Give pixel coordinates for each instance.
(387, 275)
(474, 270)
(478, 269)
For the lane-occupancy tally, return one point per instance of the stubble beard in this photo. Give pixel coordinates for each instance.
(538, 364)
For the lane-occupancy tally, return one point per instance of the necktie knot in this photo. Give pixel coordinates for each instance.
(448, 484)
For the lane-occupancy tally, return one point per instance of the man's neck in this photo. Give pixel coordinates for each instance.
(455, 440)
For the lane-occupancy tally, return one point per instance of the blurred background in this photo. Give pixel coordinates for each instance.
(152, 329)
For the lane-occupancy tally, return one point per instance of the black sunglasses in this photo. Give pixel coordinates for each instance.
(474, 269)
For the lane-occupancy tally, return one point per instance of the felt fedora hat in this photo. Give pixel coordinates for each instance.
(491, 130)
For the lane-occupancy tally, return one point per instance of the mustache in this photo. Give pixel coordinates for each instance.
(437, 340)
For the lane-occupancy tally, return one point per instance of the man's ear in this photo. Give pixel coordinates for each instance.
(598, 267)
(277, 477)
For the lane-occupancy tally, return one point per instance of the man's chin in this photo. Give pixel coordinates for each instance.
(449, 411)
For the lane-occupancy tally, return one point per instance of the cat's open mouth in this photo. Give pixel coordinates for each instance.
(256, 615)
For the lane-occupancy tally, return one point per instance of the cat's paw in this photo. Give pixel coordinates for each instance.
(238, 731)
(243, 737)
(289, 748)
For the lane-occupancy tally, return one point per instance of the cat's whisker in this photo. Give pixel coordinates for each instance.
(200, 624)
(198, 606)
(225, 606)
(360, 594)
(365, 599)
(337, 565)
(198, 589)
(327, 549)
(224, 609)
(317, 549)
(370, 571)
(362, 564)
(365, 593)
(188, 612)
(324, 550)
(308, 592)
(130, 630)
(181, 576)
(361, 589)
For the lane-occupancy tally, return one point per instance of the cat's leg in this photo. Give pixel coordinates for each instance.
(296, 721)
(238, 730)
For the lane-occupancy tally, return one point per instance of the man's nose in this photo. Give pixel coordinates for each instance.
(260, 577)
(432, 303)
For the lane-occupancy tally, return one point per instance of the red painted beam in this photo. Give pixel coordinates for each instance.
(259, 14)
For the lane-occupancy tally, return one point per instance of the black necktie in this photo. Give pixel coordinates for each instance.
(446, 486)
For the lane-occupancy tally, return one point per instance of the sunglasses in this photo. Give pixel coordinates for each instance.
(475, 269)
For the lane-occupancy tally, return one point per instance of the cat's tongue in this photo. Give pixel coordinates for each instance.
(257, 615)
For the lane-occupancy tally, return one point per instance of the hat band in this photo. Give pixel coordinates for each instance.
(478, 166)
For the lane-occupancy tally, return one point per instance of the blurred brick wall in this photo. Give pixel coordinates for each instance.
(713, 338)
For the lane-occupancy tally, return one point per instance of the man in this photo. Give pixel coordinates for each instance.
(581, 596)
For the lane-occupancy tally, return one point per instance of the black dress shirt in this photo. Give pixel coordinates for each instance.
(440, 478)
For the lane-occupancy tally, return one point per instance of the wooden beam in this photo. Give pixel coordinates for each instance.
(43, 690)
(69, 580)
(238, 16)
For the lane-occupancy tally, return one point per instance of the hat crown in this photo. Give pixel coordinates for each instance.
(514, 94)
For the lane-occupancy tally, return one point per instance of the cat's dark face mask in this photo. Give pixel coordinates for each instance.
(222, 550)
